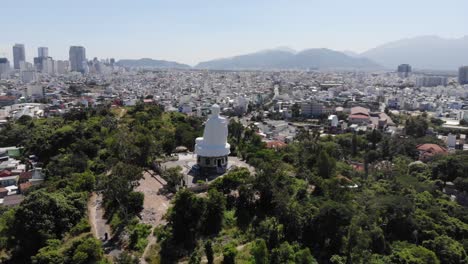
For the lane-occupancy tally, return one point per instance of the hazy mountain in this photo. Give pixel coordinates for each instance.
(426, 52)
(351, 53)
(286, 59)
(150, 63)
(286, 49)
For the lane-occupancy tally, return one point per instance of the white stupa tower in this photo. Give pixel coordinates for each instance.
(212, 149)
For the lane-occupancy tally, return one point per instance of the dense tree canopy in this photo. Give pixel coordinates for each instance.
(350, 198)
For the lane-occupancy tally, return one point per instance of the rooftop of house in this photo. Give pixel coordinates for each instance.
(24, 186)
(5, 173)
(430, 150)
(275, 144)
(25, 175)
(13, 200)
(359, 110)
(359, 116)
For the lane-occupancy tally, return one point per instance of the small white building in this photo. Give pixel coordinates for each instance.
(333, 120)
(451, 141)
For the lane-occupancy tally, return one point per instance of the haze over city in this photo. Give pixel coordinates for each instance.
(194, 31)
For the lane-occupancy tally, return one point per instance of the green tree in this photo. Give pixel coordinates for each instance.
(448, 251)
(186, 218)
(304, 256)
(134, 203)
(329, 226)
(49, 254)
(118, 193)
(229, 254)
(406, 253)
(271, 231)
(42, 216)
(85, 250)
(416, 126)
(354, 144)
(214, 214)
(260, 252)
(374, 137)
(245, 206)
(282, 254)
(195, 258)
(209, 252)
(448, 168)
(173, 177)
(326, 165)
(79, 250)
(126, 258)
(296, 110)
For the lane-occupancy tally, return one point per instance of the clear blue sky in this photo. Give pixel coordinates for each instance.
(190, 31)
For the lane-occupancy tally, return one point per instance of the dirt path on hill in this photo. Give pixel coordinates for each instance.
(99, 226)
(155, 206)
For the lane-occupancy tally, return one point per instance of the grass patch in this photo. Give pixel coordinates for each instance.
(153, 256)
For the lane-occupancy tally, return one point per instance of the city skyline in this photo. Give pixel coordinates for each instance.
(192, 32)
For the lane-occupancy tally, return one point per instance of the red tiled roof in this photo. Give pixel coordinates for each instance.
(5, 173)
(358, 166)
(12, 200)
(3, 97)
(359, 116)
(25, 175)
(432, 148)
(24, 186)
(3, 192)
(359, 110)
(275, 144)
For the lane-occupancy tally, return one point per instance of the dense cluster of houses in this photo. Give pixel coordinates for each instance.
(17, 177)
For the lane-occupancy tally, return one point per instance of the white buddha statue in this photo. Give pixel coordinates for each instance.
(212, 149)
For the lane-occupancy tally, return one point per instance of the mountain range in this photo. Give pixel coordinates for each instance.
(423, 53)
(150, 63)
(283, 59)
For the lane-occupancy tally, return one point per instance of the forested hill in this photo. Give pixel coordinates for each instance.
(86, 150)
(350, 198)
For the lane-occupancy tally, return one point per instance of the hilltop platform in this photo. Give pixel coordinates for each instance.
(188, 162)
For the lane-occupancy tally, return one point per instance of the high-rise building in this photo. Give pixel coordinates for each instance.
(312, 108)
(26, 66)
(48, 65)
(28, 76)
(44, 65)
(18, 55)
(38, 63)
(463, 75)
(43, 52)
(404, 70)
(61, 67)
(431, 81)
(77, 58)
(4, 68)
